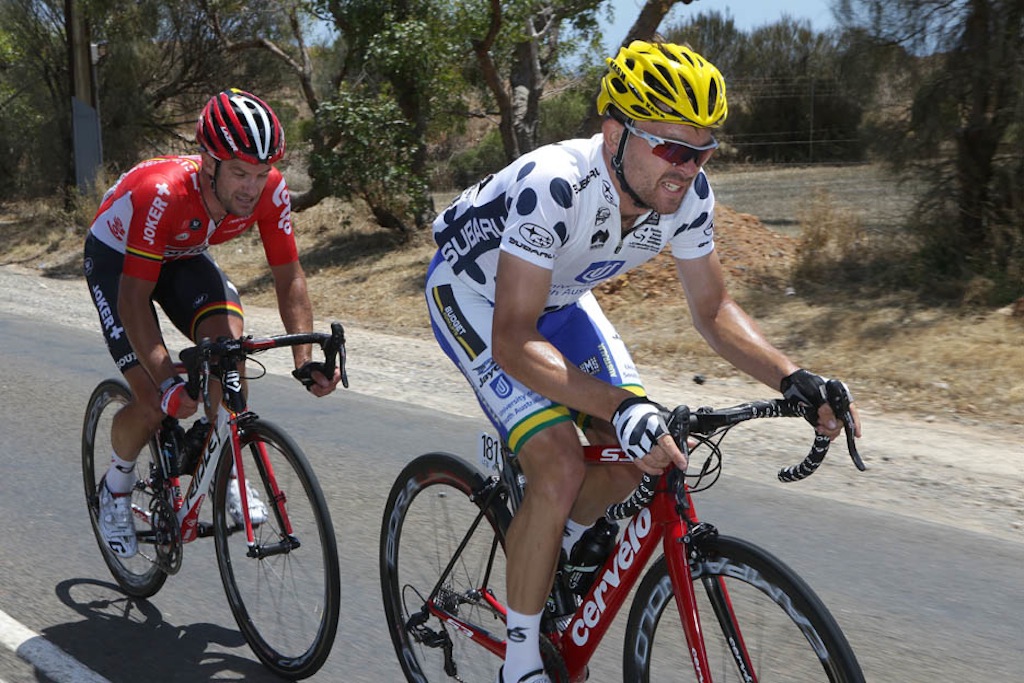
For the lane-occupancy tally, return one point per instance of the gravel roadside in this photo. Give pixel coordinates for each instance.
(937, 471)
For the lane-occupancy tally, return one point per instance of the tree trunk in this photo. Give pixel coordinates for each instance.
(644, 28)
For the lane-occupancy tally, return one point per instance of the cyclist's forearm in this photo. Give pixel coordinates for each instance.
(294, 306)
(736, 337)
(540, 366)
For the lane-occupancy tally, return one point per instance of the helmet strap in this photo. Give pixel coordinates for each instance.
(620, 174)
(213, 188)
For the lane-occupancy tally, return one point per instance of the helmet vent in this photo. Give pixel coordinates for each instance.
(658, 84)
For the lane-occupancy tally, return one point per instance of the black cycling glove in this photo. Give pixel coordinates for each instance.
(304, 373)
(809, 389)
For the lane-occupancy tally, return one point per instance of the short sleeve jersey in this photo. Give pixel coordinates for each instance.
(556, 207)
(155, 213)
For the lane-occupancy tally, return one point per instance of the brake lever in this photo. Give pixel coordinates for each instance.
(839, 401)
(679, 427)
(337, 349)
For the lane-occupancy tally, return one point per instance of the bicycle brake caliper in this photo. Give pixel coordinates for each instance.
(697, 536)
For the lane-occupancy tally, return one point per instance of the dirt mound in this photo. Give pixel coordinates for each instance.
(752, 255)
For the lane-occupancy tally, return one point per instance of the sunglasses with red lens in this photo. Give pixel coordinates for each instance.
(674, 152)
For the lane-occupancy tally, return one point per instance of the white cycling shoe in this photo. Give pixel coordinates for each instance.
(257, 509)
(117, 527)
(537, 676)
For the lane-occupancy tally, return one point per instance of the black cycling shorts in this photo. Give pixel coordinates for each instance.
(188, 290)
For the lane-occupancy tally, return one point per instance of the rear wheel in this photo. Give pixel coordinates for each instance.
(138, 576)
(784, 627)
(285, 591)
(431, 510)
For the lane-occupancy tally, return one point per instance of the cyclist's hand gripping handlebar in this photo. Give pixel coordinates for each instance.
(334, 356)
(839, 402)
(678, 422)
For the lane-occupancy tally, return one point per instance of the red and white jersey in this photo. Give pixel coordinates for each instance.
(155, 212)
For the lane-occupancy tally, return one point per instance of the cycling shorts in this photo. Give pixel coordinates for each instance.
(188, 290)
(461, 319)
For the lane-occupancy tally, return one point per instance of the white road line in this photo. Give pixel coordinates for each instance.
(44, 655)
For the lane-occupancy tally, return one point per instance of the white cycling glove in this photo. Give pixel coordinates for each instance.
(639, 424)
(172, 393)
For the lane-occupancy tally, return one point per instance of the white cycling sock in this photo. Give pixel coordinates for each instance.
(522, 648)
(572, 533)
(120, 475)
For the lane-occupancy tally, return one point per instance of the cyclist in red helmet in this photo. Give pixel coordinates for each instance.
(148, 243)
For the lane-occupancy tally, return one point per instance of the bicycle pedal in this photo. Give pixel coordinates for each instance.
(204, 530)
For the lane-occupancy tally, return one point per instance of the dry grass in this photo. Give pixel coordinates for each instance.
(898, 354)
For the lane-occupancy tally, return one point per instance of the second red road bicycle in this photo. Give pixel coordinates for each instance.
(280, 574)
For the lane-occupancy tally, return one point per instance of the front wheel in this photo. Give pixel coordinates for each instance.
(138, 576)
(285, 591)
(439, 504)
(784, 627)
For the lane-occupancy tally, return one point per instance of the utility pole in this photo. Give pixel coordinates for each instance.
(88, 145)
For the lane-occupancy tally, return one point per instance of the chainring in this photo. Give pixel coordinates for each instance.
(167, 535)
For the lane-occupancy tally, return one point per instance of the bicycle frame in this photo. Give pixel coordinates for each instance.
(226, 429)
(665, 522)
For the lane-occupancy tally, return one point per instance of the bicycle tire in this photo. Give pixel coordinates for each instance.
(429, 511)
(138, 576)
(778, 614)
(286, 605)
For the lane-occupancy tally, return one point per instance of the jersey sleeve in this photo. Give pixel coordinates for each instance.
(157, 204)
(693, 235)
(275, 222)
(541, 207)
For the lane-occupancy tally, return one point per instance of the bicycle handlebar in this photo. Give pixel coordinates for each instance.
(682, 422)
(197, 359)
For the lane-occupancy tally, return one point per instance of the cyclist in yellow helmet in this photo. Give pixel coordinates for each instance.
(510, 299)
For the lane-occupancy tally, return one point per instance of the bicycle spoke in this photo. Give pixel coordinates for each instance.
(139, 576)
(286, 600)
(749, 603)
(428, 518)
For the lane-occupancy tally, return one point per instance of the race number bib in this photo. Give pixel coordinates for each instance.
(489, 453)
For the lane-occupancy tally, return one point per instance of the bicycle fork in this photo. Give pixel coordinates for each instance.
(694, 535)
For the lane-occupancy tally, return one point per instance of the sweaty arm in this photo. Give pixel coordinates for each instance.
(736, 337)
(726, 326)
(297, 315)
(293, 305)
(520, 296)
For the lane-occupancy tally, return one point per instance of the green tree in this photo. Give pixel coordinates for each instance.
(790, 98)
(34, 96)
(519, 47)
(963, 127)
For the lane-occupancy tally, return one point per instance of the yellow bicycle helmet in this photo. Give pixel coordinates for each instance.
(664, 82)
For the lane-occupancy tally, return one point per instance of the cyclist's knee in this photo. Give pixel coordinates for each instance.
(220, 325)
(553, 463)
(144, 405)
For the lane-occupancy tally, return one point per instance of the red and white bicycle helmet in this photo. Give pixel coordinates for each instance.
(237, 124)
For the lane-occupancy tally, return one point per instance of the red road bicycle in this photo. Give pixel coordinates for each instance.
(741, 614)
(281, 576)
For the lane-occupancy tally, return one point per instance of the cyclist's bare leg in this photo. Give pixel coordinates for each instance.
(552, 461)
(134, 424)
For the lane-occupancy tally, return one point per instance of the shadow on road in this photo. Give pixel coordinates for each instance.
(126, 640)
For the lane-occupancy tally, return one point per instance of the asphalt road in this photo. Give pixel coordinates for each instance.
(919, 602)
